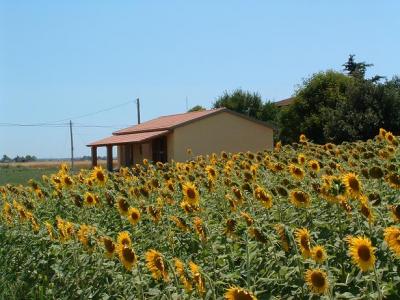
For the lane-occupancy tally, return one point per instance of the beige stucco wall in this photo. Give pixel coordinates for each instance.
(220, 132)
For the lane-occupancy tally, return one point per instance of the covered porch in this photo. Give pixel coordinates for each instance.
(133, 148)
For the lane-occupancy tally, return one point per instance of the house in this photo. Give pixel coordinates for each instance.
(168, 137)
(284, 102)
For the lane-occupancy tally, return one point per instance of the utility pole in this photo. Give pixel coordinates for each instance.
(138, 110)
(72, 145)
(187, 104)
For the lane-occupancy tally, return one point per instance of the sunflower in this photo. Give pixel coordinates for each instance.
(155, 263)
(317, 281)
(127, 256)
(314, 165)
(303, 240)
(362, 252)
(237, 293)
(180, 223)
(394, 180)
(211, 173)
(190, 193)
(98, 175)
(278, 146)
(197, 278)
(109, 246)
(188, 208)
(124, 239)
(296, 172)
(122, 206)
(238, 194)
(318, 254)
(265, 198)
(392, 238)
(390, 137)
(84, 233)
(249, 220)
(353, 184)
(154, 212)
(301, 159)
(50, 231)
(133, 215)
(258, 235)
(366, 210)
(90, 199)
(181, 273)
(382, 133)
(299, 198)
(230, 227)
(280, 229)
(303, 138)
(200, 229)
(66, 181)
(7, 212)
(395, 212)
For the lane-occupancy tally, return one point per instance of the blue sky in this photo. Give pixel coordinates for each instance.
(60, 59)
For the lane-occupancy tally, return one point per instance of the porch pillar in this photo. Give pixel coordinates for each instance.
(109, 158)
(94, 156)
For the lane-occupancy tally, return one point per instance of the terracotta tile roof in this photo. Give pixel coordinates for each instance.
(284, 102)
(167, 122)
(128, 138)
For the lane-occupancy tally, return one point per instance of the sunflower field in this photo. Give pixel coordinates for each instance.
(300, 221)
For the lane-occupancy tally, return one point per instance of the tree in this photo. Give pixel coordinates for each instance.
(334, 107)
(315, 101)
(196, 108)
(5, 159)
(243, 102)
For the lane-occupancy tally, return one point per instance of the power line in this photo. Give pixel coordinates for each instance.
(59, 122)
(94, 113)
(61, 125)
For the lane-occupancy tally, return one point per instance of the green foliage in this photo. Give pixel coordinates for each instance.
(334, 107)
(196, 108)
(247, 103)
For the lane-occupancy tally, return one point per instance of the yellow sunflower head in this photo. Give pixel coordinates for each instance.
(197, 278)
(124, 239)
(362, 252)
(392, 238)
(314, 165)
(122, 206)
(394, 180)
(317, 281)
(109, 246)
(127, 256)
(353, 184)
(133, 215)
(300, 198)
(301, 158)
(98, 175)
(303, 138)
(303, 241)
(395, 212)
(264, 197)
(318, 254)
(155, 263)
(237, 293)
(90, 199)
(297, 172)
(190, 193)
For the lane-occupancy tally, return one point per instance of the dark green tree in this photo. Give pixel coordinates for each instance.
(243, 102)
(196, 108)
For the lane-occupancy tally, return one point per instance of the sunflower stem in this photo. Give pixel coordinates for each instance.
(247, 261)
(141, 282)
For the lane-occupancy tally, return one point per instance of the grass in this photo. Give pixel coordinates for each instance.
(20, 173)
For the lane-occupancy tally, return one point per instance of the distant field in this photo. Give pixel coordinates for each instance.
(20, 173)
